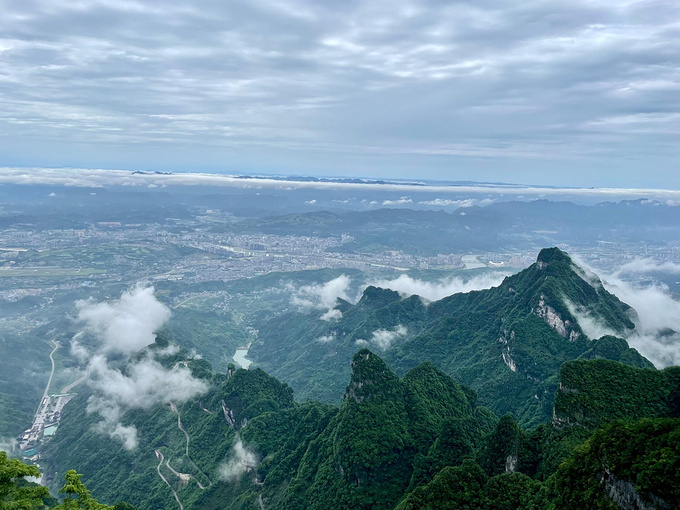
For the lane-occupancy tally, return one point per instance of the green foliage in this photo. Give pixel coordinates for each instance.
(454, 488)
(511, 491)
(638, 461)
(595, 392)
(499, 342)
(77, 495)
(616, 349)
(13, 493)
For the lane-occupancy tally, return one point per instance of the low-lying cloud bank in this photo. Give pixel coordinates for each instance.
(384, 338)
(436, 290)
(657, 328)
(98, 178)
(322, 296)
(126, 326)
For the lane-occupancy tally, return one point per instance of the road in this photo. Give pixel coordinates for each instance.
(186, 435)
(68, 388)
(159, 456)
(49, 381)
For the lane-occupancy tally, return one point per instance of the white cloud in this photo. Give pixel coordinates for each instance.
(9, 445)
(326, 338)
(434, 291)
(445, 202)
(146, 384)
(98, 178)
(384, 338)
(647, 265)
(242, 460)
(170, 350)
(657, 325)
(401, 201)
(322, 296)
(127, 324)
(78, 351)
(331, 315)
(591, 326)
(311, 202)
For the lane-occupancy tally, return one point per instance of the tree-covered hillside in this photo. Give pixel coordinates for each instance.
(417, 442)
(506, 342)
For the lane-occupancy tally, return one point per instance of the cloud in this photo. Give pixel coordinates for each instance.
(434, 291)
(100, 178)
(331, 315)
(591, 326)
(468, 202)
(657, 328)
(322, 296)
(401, 201)
(79, 351)
(241, 460)
(10, 446)
(145, 384)
(403, 87)
(646, 265)
(327, 338)
(127, 324)
(311, 202)
(384, 338)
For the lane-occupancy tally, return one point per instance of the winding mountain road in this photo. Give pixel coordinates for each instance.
(159, 456)
(186, 448)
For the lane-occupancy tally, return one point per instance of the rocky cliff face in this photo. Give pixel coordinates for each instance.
(623, 493)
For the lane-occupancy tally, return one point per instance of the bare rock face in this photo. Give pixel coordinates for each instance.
(623, 493)
(553, 319)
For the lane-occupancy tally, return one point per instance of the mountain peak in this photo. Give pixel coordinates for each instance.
(552, 256)
(377, 297)
(371, 377)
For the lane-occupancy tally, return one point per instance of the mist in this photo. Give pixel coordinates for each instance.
(240, 461)
(126, 326)
(657, 317)
(434, 291)
(322, 296)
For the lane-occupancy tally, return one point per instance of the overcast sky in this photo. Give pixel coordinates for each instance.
(577, 92)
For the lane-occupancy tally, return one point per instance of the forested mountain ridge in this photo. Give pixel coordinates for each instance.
(481, 400)
(506, 342)
(421, 441)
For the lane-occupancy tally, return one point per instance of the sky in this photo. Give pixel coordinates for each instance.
(574, 93)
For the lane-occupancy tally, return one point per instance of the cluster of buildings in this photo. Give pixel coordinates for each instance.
(44, 426)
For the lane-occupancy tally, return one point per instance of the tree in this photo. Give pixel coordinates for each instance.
(78, 497)
(13, 493)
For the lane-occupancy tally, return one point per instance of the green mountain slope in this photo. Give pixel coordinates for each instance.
(507, 342)
(421, 441)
